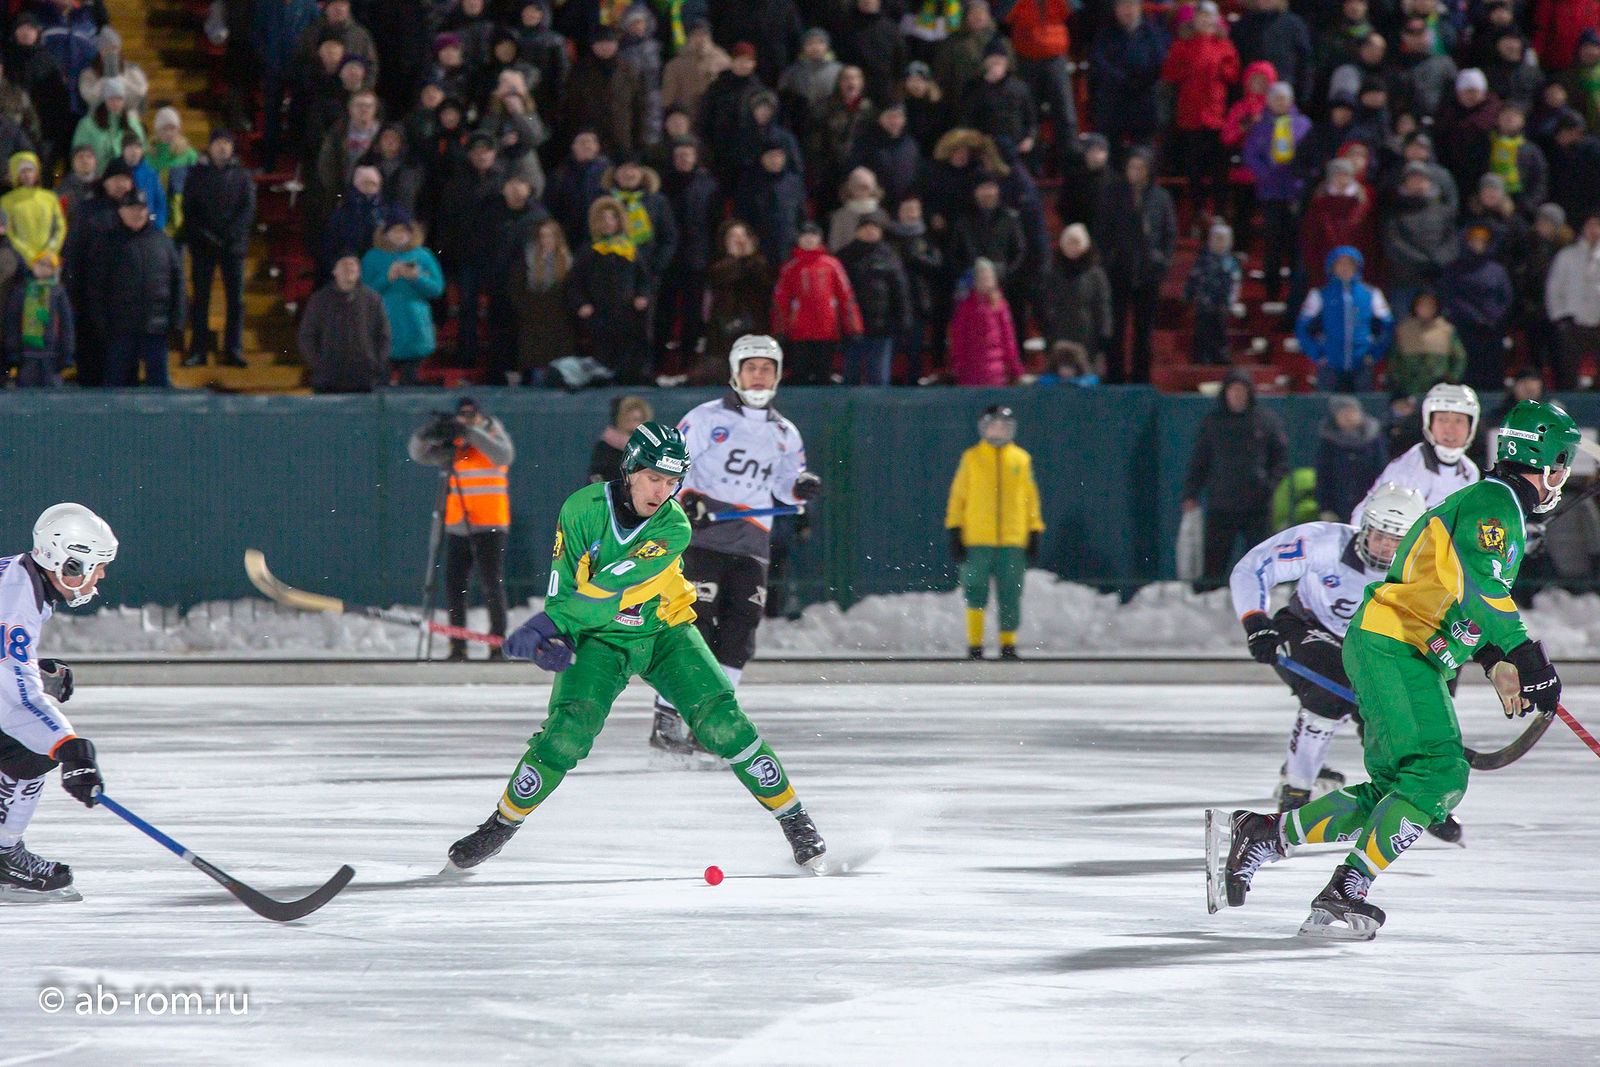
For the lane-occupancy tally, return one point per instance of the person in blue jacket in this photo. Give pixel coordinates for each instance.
(402, 271)
(1345, 327)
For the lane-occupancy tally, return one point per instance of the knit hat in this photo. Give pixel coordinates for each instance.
(1472, 78)
(1590, 35)
(133, 198)
(49, 257)
(113, 86)
(118, 167)
(1492, 181)
(877, 217)
(1418, 167)
(446, 40)
(1088, 141)
(816, 31)
(1342, 99)
(167, 117)
(997, 46)
(221, 133)
(743, 49)
(1339, 401)
(1207, 7)
(918, 69)
(811, 228)
(605, 33)
(1554, 214)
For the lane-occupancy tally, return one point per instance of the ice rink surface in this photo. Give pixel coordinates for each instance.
(1034, 893)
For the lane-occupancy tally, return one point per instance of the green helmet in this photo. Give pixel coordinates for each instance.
(658, 448)
(1537, 434)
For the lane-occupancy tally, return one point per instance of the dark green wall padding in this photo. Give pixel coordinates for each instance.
(323, 486)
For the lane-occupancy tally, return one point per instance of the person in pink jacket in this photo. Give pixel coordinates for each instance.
(983, 340)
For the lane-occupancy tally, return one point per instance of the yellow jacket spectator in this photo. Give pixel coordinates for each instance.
(994, 523)
(34, 220)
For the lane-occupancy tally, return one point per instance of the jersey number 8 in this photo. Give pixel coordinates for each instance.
(14, 642)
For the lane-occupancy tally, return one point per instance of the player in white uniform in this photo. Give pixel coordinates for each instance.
(71, 548)
(1331, 563)
(746, 456)
(1438, 465)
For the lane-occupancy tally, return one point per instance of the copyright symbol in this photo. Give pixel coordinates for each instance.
(51, 999)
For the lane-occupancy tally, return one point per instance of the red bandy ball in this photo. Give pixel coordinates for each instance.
(713, 875)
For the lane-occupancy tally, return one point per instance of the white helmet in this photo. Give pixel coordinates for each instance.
(754, 346)
(1391, 509)
(70, 541)
(1446, 397)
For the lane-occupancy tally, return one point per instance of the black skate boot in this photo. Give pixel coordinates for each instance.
(1236, 847)
(1009, 652)
(1290, 798)
(1449, 830)
(25, 877)
(809, 848)
(483, 843)
(672, 735)
(974, 651)
(1341, 911)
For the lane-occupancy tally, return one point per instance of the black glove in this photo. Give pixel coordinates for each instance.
(807, 487)
(57, 679)
(958, 547)
(699, 514)
(1032, 551)
(539, 640)
(1541, 686)
(80, 774)
(1262, 637)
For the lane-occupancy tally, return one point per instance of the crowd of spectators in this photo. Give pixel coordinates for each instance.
(899, 190)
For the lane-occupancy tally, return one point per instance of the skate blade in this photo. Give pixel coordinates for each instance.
(1219, 838)
(16, 895)
(1320, 926)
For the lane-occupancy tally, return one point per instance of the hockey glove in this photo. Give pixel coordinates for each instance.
(958, 547)
(539, 640)
(807, 487)
(57, 679)
(80, 774)
(1541, 686)
(1262, 637)
(1032, 551)
(699, 514)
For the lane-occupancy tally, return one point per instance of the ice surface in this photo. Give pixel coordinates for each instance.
(1059, 617)
(1036, 896)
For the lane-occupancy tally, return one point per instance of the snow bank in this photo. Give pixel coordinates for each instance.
(1060, 618)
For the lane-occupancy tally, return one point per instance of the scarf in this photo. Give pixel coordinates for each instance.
(938, 16)
(36, 313)
(618, 244)
(640, 229)
(1589, 82)
(1503, 161)
(675, 20)
(1282, 150)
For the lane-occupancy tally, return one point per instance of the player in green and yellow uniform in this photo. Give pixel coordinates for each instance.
(618, 605)
(1446, 599)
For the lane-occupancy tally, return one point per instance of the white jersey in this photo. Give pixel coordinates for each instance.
(27, 713)
(1321, 558)
(741, 458)
(1419, 467)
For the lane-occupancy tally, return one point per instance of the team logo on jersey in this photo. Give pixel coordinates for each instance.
(561, 542)
(719, 435)
(633, 616)
(1405, 837)
(1441, 648)
(1467, 632)
(1492, 536)
(1332, 581)
(527, 784)
(650, 550)
(764, 769)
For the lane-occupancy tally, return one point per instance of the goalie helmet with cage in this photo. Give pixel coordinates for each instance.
(1390, 509)
(656, 447)
(1538, 438)
(754, 346)
(1446, 397)
(70, 541)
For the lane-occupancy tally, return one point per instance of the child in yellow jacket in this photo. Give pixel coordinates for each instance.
(994, 523)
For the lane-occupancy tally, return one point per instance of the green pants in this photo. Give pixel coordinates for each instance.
(1416, 768)
(677, 663)
(1004, 566)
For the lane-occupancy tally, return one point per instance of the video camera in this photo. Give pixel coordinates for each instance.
(443, 430)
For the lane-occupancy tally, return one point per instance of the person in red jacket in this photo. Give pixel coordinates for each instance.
(1258, 78)
(1039, 36)
(1341, 213)
(1557, 25)
(1202, 66)
(813, 309)
(983, 339)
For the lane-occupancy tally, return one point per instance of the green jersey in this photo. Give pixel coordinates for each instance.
(616, 584)
(1449, 588)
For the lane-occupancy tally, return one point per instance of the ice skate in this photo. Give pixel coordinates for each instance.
(1448, 830)
(1341, 911)
(483, 843)
(974, 651)
(1009, 652)
(29, 879)
(809, 848)
(1326, 782)
(1290, 798)
(1236, 846)
(672, 735)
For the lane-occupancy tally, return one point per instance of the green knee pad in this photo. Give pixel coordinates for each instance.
(567, 734)
(721, 725)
